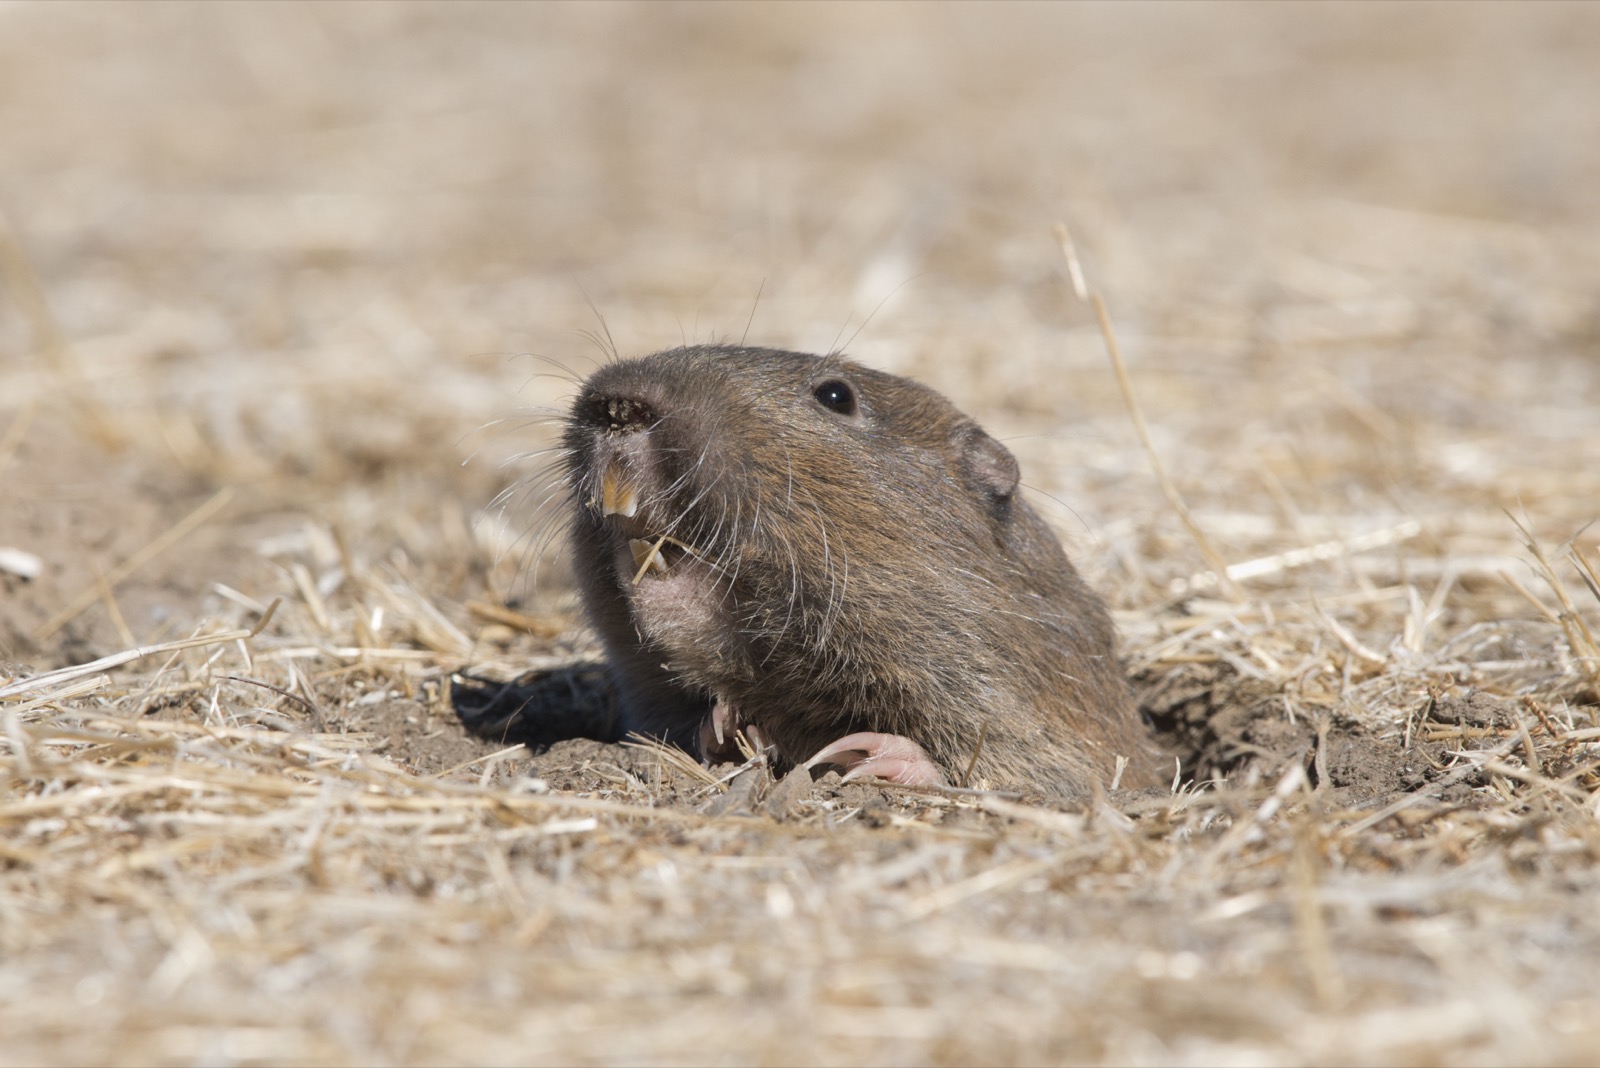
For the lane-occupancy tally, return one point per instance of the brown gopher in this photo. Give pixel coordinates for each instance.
(836, 561)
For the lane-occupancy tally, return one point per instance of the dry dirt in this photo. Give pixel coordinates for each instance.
(289, 296)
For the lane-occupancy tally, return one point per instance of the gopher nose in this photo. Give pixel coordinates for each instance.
(620, 412)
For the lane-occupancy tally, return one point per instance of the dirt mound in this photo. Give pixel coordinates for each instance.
(289, 294)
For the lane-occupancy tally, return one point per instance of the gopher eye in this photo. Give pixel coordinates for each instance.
(836, 396)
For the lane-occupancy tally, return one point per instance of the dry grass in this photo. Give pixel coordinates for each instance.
(263, 273)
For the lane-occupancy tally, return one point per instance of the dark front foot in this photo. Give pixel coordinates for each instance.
(538, 709)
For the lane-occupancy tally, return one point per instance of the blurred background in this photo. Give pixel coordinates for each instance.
(324, 254)
(289, 293)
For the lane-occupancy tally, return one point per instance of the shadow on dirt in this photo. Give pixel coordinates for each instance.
(1228, 726)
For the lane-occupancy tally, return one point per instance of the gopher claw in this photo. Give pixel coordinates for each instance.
(716, 734)
(890, 757)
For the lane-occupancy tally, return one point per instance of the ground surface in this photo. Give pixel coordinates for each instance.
(285, 288)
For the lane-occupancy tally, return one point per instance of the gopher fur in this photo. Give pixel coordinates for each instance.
(819, 548)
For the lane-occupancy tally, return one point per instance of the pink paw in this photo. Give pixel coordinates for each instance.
(881, 756)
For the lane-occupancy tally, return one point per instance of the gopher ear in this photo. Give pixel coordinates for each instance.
(989, 466)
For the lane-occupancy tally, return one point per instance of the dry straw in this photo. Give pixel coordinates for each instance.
(241, 821)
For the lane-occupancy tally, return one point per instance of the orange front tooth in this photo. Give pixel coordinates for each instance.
(617, 495)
